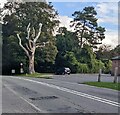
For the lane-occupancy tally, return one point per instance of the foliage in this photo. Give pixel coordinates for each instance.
(86, 27)
(81, 61)
(17, 22)
(71, 61)
(66, 40)
(97, 65)
(108, 66)
(83, 68)
(66, 49)
(103, 52)
(115, 52)
(106, 52)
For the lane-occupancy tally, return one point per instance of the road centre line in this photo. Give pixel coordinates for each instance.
(38, 109)
(113, 103)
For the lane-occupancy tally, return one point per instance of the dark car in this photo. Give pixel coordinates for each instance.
(63, 70)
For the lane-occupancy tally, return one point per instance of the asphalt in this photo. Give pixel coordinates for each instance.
(62, 94)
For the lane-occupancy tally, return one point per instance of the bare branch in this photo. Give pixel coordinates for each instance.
(33, 34)
(39, 32)
(28, 48)
(41, 45)
(28, 31)
(20, 43)
(30, 42)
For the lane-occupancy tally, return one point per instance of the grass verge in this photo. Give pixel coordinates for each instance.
(38, 75)
(110, 85)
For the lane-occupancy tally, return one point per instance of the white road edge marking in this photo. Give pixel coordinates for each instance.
(74, 92)
(38, 109)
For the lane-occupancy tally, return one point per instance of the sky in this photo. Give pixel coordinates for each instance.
(107, 14)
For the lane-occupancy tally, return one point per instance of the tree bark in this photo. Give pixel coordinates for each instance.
(31, 46)
(31, 64)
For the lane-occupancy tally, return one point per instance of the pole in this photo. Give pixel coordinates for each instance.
(21, 68)
(115, 74)
(99, 75)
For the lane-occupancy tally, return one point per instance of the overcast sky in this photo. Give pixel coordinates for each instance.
(107, 14)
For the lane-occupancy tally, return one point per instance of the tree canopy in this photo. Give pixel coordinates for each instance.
(18, 21)
(86, 27)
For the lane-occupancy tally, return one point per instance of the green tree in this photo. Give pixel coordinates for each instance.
(71, 61)
(33, 23)
(66, 40)
(67, 59)
(86, 27)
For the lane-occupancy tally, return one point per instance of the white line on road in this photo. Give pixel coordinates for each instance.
(74, 92)
(38, 109)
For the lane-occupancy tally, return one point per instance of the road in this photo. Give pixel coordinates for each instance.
(62, 94)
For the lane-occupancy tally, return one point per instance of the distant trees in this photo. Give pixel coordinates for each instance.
(103, 52)
(70, 54)
(75, 49)
(115, 51)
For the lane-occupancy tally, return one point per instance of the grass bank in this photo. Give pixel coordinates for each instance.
(38, 75)
(110, 85)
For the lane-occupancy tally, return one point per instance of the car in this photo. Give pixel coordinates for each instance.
(63, 71)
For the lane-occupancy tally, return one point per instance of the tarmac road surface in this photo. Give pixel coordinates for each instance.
(62, 94)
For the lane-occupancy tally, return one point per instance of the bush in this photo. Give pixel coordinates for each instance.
(108, 66)
(95, 65)
(83, 68)
(71, 62)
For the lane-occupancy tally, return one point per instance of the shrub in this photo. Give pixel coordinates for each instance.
(83, 68)
(108, 66)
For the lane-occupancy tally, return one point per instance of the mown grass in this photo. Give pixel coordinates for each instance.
(38, 75)
(110, 85)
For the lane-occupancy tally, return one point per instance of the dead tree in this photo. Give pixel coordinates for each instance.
(31, 45)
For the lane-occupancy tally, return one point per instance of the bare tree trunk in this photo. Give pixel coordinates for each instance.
(31, 64)
(31, 45)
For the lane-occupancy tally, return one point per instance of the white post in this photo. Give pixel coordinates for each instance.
(21, 68)
(13, 71)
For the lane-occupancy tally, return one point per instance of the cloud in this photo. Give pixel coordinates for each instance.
(111, 38)
(65, 22)
(107, 7)
(108, 19)
(108, 12)
(108, 15)
(2, 3)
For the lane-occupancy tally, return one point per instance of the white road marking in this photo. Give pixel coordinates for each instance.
(74, 92)
(38, 109)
